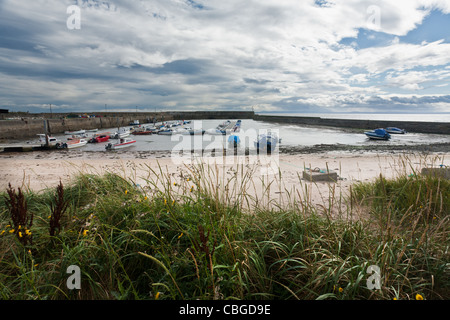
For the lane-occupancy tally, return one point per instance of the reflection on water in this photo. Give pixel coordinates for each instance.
(291, 135)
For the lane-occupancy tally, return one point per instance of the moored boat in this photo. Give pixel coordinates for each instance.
(267, 142)
(378, 134)
(122, 143)
(394, 130)
(72, 133)
(234, 141)
(52, 141)
(192, 132)
(120, 133)
(72, 144)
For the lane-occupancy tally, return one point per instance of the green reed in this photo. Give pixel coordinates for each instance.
(198, 235)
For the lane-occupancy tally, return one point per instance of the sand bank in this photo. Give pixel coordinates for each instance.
(279, 180)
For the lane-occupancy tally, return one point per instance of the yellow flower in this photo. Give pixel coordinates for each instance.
(180, 235)
(27, 232)
(187, 179)
(419, 297)
(395, 298)
(3, 231)
(85, 232)
(192, 188)
(165, 201)
(20, 234)
(340, 289)
(11, 231)
(126, 191)
(157, 295)
(145, 198)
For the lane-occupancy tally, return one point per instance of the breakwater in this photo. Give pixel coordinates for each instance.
(29, 125)
(409, 126)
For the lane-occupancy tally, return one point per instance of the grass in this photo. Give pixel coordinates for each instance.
(200, 237)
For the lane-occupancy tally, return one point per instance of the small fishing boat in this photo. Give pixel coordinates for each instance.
(167, 132)
(120, 133)
(234, 141)
(122, 143)
(142, 131)
(217, 132)
(101, 138)
(378, 134)
(192, 132)
(72, 133)
(267, 142)
(394, 130)
(71, 144)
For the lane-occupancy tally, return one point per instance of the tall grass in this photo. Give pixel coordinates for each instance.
(201, 236)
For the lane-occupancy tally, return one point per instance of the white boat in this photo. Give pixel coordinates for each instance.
(71, 133)
(217, 132)
(121, 133)
(394, 130)
(72, 144)
(192, 132)
(52, 141)
(122, 143)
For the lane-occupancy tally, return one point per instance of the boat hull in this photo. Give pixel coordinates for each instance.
(122, 145)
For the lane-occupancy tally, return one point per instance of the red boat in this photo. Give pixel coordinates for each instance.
(102, 138)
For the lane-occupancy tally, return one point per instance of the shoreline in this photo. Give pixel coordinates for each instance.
(40, 170)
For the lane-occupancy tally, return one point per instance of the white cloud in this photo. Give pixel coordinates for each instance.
(284, 48)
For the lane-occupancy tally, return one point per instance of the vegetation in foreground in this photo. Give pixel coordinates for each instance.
(184, 240)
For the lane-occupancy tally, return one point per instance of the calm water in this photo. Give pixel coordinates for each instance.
(428, 117)
(291, 135)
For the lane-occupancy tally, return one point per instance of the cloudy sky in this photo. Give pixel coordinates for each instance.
(273, 55)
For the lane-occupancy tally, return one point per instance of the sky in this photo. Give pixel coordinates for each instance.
(301, 56)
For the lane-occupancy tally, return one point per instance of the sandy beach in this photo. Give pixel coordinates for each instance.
(278, 180)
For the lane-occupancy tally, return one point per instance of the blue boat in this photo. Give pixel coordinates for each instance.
(394, 130)
(378, 134)
(234, 141)
(266, 142)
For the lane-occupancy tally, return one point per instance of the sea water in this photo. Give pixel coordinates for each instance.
(290, 135)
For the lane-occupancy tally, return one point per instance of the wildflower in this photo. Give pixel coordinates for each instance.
(419, 297)
(157, 296)
(11, 231)
(85, 232)
(20, 234)
(27, 232)
(180, 235)
(126, 191)
(29, 251)
(174, 183)
(192, 188)
(340, 289)
(3, 231)
(395, 298)
(165, 201)
(187, 179)
(145, 198)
